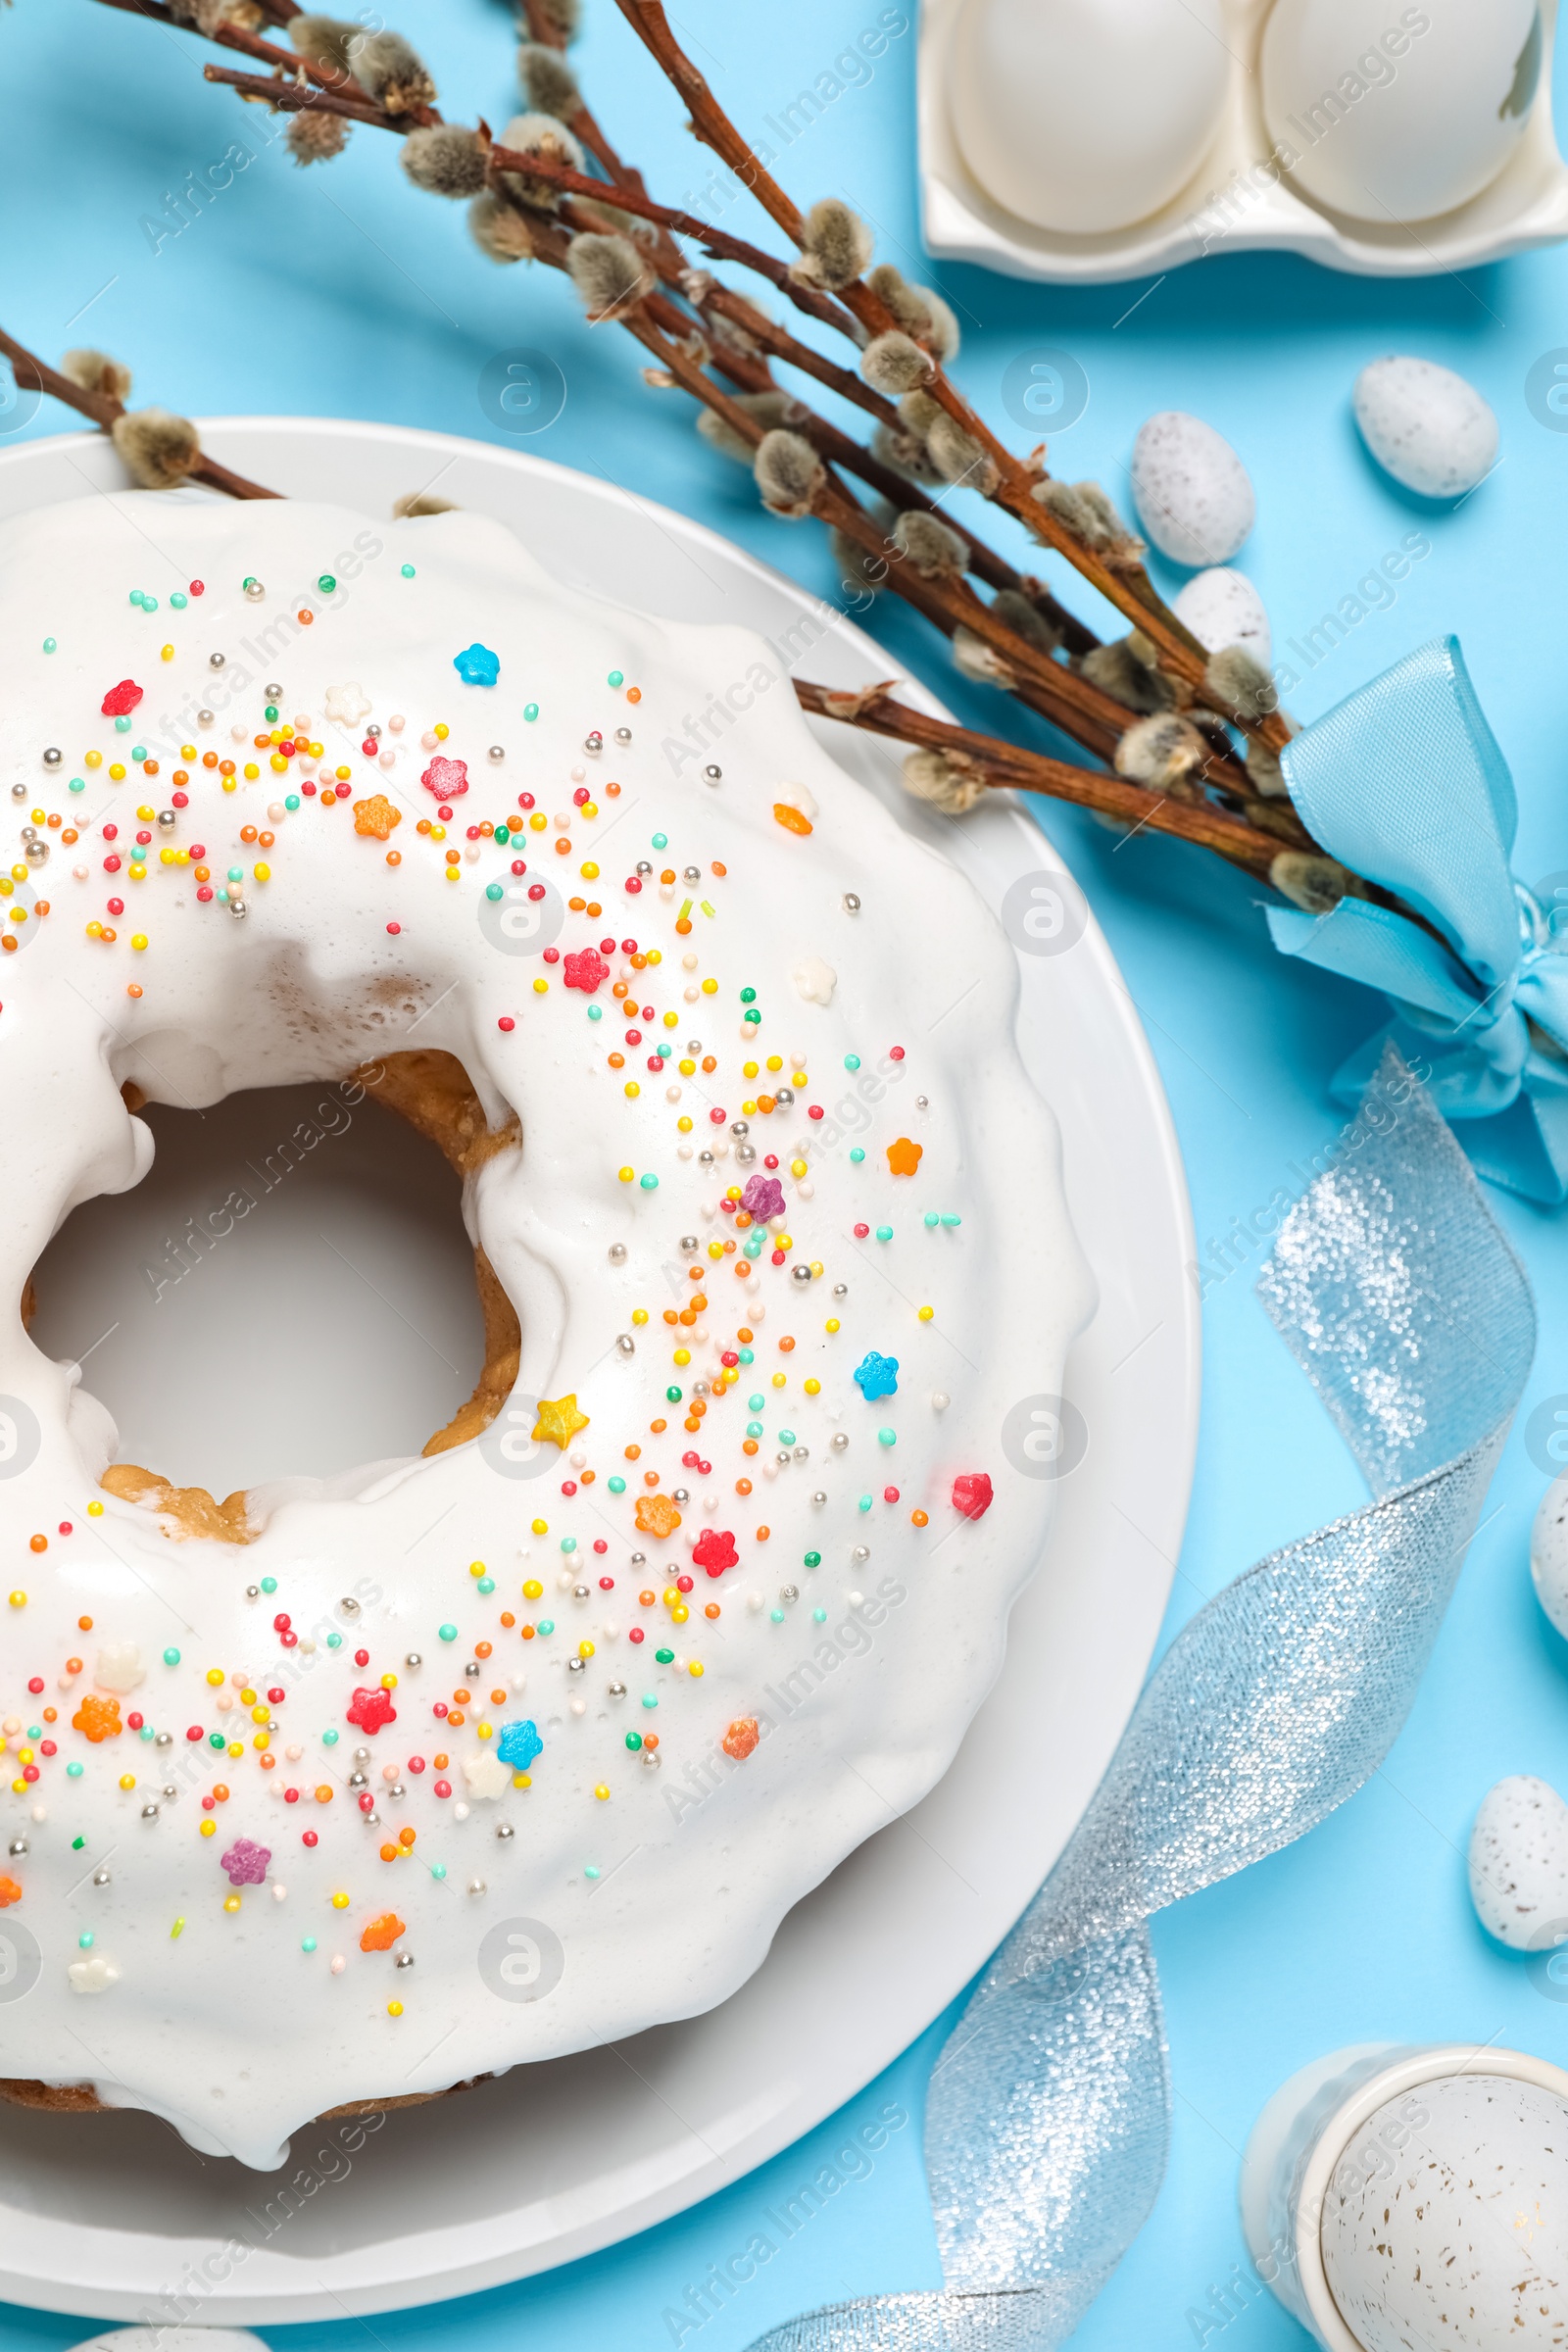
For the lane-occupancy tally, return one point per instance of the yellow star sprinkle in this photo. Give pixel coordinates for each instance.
(560, 1420)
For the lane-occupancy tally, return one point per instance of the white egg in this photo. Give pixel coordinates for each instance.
(1548, 1552)
(1446, 2224)
(1222, 607)
(1088, 114)
(1519, 1863)
(1394, 114)
(1426, 426)
(1192, 493)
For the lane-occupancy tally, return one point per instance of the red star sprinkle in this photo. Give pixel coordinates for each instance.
(445, 778)
(714, 1550)
(121, 700)
(971, 1493)
(373, 1708)
(585, 970)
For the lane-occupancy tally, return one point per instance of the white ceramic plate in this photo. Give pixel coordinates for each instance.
(105, 2215)
(1526, 205)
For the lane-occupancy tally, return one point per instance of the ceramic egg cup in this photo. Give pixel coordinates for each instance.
(1307, 2127)
(1525, 205)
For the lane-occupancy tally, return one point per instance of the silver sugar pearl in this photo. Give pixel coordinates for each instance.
(168, 1791)
(799, 1274)
(404, 1960)
(711, 774)
(851, 902)
(36, 853)
(739, 1127)
(626, 1344)
(349, 1607)
(840, 1290)
(274, 693)
(582, 1593)
(691, 873)
(371, 1821)
(575, 1665)
(690, 1243)
(52, 756)
(19, 792)
(784, 1093)
(100, 1878)
(650, 1762)
(840, 1439)
(477, 1886)
(255, 590)
(253, 1591)
(238, 909)
(168, 818)
(149, 1812)
(362, 1755)
(624, 734)
(681, 1494)
(820, 1497)
(497, 752)
(645, 865)
(698, 1388)
(20, 1845)
(694, 1045)
(205, 718)
(782, 1457)
(505, 1830)
(397, 1789)
(922, 1101)
(790, 1593)
(618, 1690)
(413, 1658)
(471, 1671)
(217, 661)
(639, 1559)
(593, 741)
(803, 1453)
(860, 1553)
(617, 1254)
(164, 1740)
(373, 731)
(356, 1779)
(704, 1159)
(744, 1154)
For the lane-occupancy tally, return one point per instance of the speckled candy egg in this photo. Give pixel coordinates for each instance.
(1192, 493)
(1549, 1551)
(1085, 116)
(1446, 2224)
(1426, 426)
(1222, 607)
(1392, 114)
(1519, 1862)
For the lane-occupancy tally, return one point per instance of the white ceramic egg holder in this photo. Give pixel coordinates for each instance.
(1525, 205)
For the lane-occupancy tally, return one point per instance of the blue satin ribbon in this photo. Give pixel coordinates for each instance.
(1404, 783)
(1049, 2112)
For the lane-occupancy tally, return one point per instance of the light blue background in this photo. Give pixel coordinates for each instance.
(342, 292)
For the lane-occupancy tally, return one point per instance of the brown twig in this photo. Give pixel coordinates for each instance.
(301, 98)
(1005, 766)
(36, 374)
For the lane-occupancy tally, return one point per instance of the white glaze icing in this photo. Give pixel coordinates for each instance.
(603, 1915)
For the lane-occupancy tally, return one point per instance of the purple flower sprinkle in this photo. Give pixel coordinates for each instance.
(764, 1198)
(246, 1862)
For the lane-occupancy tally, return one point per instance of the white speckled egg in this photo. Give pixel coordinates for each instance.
(1222, 607)
(1426, 426)
(1192, 493)
(1394, 114)
(1519, 1861)
(1446, 2224)
(1548, 1552)
(1087, 114)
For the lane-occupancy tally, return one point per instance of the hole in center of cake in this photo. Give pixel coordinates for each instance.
(290, 1290)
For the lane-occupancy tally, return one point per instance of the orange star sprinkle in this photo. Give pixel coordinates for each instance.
(904, 1157)
(97, 1718)
(10, 1892)
(741, 1737)
(382, 1932)
(377, 817)
(656, 1515)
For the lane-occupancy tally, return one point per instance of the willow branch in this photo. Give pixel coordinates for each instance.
(1005, 766)
(300, 98)
(36, 374)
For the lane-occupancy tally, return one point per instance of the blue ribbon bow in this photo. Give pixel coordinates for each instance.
(1404, 783)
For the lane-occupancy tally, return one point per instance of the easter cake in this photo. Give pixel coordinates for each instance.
(342, 1789)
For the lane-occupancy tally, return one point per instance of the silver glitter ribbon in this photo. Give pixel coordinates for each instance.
(1048, 2119)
